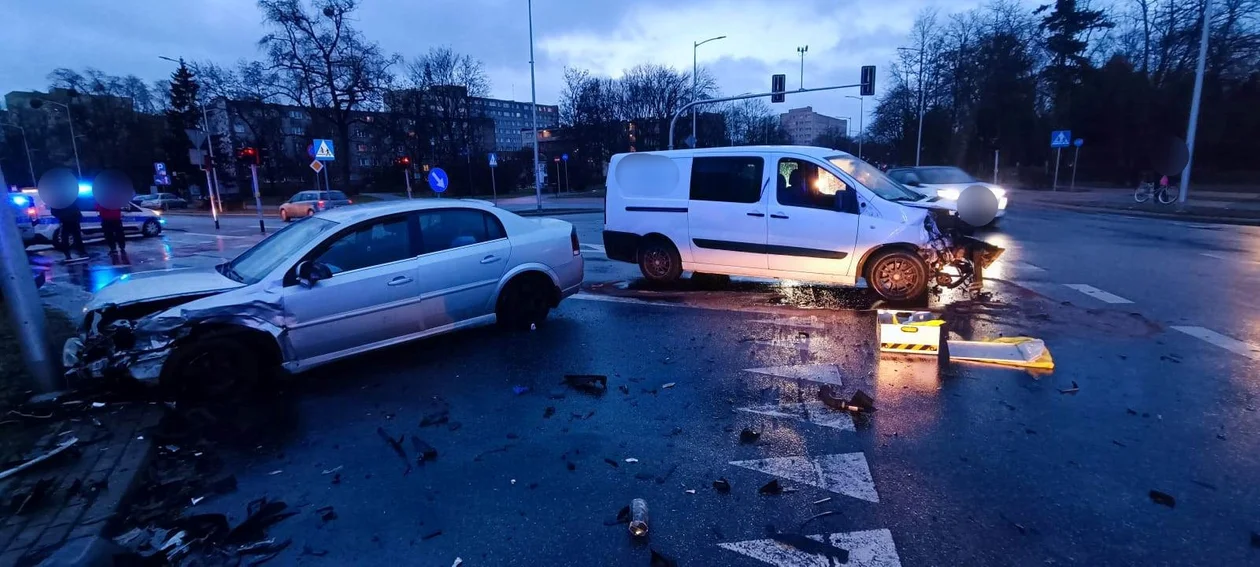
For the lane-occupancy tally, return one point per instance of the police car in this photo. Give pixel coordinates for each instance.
(45, 227)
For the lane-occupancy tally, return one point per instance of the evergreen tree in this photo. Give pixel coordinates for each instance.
(182, 113)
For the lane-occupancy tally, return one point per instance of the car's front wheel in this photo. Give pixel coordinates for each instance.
(898, 275)
(151, 228)
(284, 215)
(211, 367)
(524, 301)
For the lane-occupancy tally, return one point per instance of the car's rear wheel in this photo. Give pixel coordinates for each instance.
(151, 228)
(659, 261)
(211, 367)
(898, 275)
(524, 301)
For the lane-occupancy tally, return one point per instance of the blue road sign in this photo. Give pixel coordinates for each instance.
(1078, 142)
(323, 150)
(494, 159)
(159, 168)
(1060, 138)
(565, 157)
(438, 181)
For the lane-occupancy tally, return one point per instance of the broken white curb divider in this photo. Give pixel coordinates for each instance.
(870, 548)
(821, 373)
(1098, 293)
(1228, 343)
(845, 473)
(813, 412)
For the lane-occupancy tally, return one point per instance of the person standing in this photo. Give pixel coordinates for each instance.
(71, 232)
(112, 227)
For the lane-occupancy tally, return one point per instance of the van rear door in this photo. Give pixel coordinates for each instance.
(726, 212)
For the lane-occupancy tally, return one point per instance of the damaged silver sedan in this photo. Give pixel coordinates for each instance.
(340, 283)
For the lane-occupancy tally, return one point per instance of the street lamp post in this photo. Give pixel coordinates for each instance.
(36, 103)
(1194, 102)
(216, 200)
(29, 163)
(533, 106)
(918, 146)
(802, 51)
(695, 47)
(861, 120)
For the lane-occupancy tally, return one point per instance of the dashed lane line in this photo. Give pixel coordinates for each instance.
(868, 548)
(1228, 343)
(811, 412)
(1098, 293)
(799, 322)
(844, 473)
(821, 373)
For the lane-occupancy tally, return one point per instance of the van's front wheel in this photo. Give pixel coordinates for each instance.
(898, 275)
(659, 261)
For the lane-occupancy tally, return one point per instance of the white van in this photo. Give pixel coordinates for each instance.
(791, 212)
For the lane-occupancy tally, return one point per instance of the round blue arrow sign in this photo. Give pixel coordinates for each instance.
(438, 181)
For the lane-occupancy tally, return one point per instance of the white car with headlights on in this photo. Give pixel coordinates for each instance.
(946, 184)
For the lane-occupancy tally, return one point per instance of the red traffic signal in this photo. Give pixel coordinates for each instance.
(403, 162)
(248, 155)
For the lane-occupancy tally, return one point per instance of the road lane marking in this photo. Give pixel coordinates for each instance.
(803, 323)
(596, 247)
(586, 296)
(173, 233)
(868, 548)
(813, 412)
(1025, 266)
(1228, 343)
(821, 373)
(1097, 293)
(1213, 255)
(844, 473)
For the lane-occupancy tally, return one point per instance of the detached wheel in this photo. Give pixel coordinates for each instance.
(211, 368)
(151, 228)
(659, 261)
(898, 275)
(524, 301)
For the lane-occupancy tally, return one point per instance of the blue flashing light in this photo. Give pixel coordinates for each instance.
(161, 221)
(20, 200)
(85, 188)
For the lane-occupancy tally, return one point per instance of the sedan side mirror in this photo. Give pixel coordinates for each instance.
(310, 272)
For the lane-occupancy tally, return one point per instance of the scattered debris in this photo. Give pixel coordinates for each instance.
(37, 460)
(518, 390)
(308, 550)
(1206, 485)
(1074, 389)
(624, 389)
(830, 396)
(396, 445)
(623, 517)
(722, 485)
(595, 384)
(260, 514)
(1118, 444)
(1163, 498)
(638, 517)
(327, 513)
(437, 412)
(424, 451)
(667, 385)
(550, 411)
(333, 470)
(33, 498)
(824, 500)
(632, 460)
(197, 499)
(816, 516)
(571, 466)
(556, 394)
(275, 472)
(659, 560)
(612, 463)
(862, 402)
(1255, 539)
(749, 436)
(459, 561)
(690, 491)
(810, 546)
(431, 535)
(771, 488)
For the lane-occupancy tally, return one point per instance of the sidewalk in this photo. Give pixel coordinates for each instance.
(1204, 206)
(565, 203)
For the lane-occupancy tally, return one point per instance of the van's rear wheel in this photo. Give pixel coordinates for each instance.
(659, 261)
(898, 275)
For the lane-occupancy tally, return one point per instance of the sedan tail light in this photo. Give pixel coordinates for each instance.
(573, 238)
(320, 205)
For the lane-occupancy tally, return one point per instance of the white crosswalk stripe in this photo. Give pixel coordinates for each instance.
(798, 322)
(1228, 343)
(844, 473)
(823, 373)
(812, 412)
(1097, 293)
(869, 548)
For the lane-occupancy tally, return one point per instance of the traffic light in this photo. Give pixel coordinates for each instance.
(778, 85)
(868, 80)
(248, 155)
(403, 162)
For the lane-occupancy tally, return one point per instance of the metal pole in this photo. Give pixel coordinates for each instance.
(1057, 153)
(683, 110)
(533, 105)
(407, 179)
(26, 309)
(995, 166)
(218, 198)
(214, 212)
(568, 187)
(861, 123)
(918, 147)
(802, 51)
(1075, 157)
(557, 178)
(694, 48)
(73, 143)
(494, 187)
(29, 164)
(253, 171)
(1194, 101)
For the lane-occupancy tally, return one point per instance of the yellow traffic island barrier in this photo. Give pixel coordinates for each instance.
(925, 333)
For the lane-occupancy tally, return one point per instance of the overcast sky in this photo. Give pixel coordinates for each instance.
(606, 36)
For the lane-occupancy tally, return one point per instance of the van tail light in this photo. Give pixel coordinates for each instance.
(577, 251)
(320, 205)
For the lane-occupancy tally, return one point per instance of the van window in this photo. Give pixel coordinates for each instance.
(803, 183)
(734, 179)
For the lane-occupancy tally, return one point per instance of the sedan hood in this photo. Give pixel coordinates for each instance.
(161, 284)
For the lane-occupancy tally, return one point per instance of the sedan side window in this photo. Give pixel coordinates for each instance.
(451, 228)
(806, 184)
(378, 242)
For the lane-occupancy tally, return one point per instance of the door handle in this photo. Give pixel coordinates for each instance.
(490, 259)
(400, 280)
(756, 214)
(778, 216)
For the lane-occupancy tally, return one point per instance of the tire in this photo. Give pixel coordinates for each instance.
(1166, 196)
(659, 261)
(150, 228)
(310, 212)
(524, 301)
(1142, 194)
(898, 275)
(284, 215)
(212, 367)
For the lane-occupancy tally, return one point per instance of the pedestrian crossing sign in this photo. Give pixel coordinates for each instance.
(1060, 138)
(324, 150)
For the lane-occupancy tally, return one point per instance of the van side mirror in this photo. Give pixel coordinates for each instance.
(310, 272)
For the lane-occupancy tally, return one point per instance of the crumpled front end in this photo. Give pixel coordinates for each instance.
(955, 258)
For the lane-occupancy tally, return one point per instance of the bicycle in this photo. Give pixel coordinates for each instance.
(1165, 194)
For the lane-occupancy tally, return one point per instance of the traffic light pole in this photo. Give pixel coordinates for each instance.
(214, 212)
(407, 179)
(253, 172)
(674, 121)
(21, 299)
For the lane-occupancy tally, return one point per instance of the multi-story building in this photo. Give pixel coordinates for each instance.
(803, 125)
(510, 117)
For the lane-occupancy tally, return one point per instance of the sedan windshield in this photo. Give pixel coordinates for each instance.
(874, 179)
(943, 175)
(253, 265)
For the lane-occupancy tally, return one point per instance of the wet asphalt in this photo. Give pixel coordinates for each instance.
(968, 464)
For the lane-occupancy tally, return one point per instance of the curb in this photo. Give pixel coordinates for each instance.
(554, 212)
(1188, 217)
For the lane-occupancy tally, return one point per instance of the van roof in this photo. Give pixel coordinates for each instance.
(811, 151)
